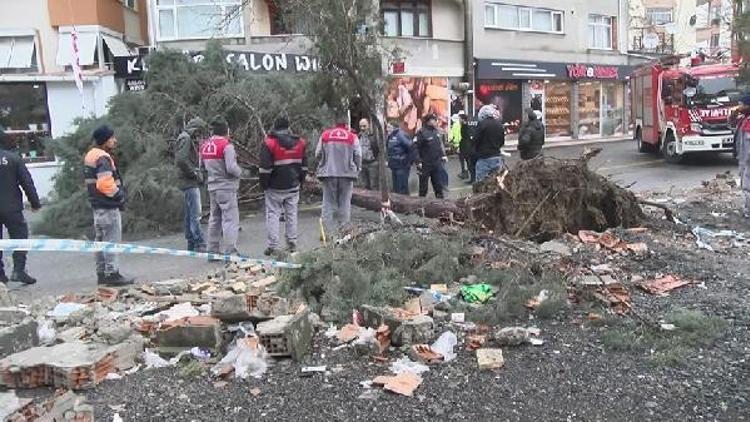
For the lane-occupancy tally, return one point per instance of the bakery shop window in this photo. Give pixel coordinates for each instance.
(25, 119)
(589, 109)
(557, 108)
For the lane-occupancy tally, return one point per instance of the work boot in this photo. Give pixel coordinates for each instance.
(116, 279)
(3, 278)
(21, 276)
(269, 252)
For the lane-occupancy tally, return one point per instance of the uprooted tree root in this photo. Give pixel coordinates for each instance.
(546, 197)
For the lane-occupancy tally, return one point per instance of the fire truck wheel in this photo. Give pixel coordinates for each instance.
(669, 149)
(642, 146)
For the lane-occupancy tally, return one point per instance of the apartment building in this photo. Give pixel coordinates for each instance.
(39, 97)
(565, 58)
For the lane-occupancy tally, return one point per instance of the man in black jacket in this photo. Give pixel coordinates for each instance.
(531, 136)
(431, 156)
(283, 167)
(190, 179)
(489, 140)
(14, 176)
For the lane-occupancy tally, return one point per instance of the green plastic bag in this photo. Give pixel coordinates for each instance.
(477, 293)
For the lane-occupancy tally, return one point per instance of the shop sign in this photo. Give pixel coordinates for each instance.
(582, 71)
(135, 85)
(135, 66)
(399, 68)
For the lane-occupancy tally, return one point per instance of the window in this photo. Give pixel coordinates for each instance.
(714, 40)
(601, 32)
(518, 18)
(407, 18)
(659, 15)
(25, 118)
(130, 4)
(198, 19)
(17, 53)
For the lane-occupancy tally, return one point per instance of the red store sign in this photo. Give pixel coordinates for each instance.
(581, 71)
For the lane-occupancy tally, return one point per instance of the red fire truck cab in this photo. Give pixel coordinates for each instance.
(683, 110)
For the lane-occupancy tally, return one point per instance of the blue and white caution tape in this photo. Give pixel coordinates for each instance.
(65, 245)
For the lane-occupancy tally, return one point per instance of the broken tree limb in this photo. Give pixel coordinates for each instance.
(402, 204)
(667, 211)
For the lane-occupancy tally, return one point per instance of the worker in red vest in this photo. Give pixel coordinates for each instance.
(339, 163)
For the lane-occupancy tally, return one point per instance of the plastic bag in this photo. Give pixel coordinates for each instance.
(247, 357)
(153, 360)
(65, 309)
(46, 332)
(407, 365)
(444, 345)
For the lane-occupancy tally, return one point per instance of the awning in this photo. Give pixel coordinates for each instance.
(16, 52)
(116, 46)
(86, 49)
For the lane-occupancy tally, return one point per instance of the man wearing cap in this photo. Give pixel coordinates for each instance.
(339, 163)
(283, 167)
(431, 156)
(219, 159)
(190, 179)
(107, 199)
(14, 176)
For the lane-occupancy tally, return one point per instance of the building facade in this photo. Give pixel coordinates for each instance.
(39, 97)
(566, 59)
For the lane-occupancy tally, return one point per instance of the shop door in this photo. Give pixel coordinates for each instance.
(612, 110)
(589, 109)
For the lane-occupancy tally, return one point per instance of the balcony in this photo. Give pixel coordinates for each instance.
(647, 41)
(107, 13)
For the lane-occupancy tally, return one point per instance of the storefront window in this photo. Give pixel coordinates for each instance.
(589, 109)
(25, 119)
(557, 109)
(613, 106)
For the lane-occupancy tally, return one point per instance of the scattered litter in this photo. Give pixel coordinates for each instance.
(637, 248)
(662, 286)
(246, 356)
(112, 376)
(458, 318)
(153, 360)
(220, 384)
(312, 369)
(536, 341)
(407, 365)
(444, 346)
(46, 332)
(116, 418)
(489, 359)
(255, 392)
(404, 383)
(668, 327)
(332, 331)
(601, 269)
(534, 331)
(477, 293)
(703, 237)
(537, 300)
(440, 288)
(200, 353)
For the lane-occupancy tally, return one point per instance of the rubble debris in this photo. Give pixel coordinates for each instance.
(106, 294)
(406, 328)
(477, 293)
(46, 332)
(250, 307)
(74, 365)
(177, 312)
(12, 315)
(489, 359)
(444, 346)
(287, 335)
(186, 333)
(65, 309)
(404, 383)
(511, 336)
(153, 360)
(425, 354)
(255, 391)
(458, 318)
(724, 239)
(348, 333)
(616, 296)
(637, 248)
(17, 337)
(537, 300)
(262, 284)
(14, 408)
(668, 327)
(593, 280)
(246, 358)
(406, 365)
(554, 246)
(114, 332)
(662, 286)
(475, 341)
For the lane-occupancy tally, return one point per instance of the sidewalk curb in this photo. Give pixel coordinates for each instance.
(513, 145)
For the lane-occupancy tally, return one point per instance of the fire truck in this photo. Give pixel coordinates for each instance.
(683, 110)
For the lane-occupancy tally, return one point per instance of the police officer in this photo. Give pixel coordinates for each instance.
(14, 174)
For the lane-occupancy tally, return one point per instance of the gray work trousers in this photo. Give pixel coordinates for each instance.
(224, 221)
(280, 202)
(107, 228)
(337, 203)
(369, 177)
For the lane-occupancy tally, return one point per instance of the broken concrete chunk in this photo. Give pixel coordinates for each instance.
(511, 336)
(6, 299)
(489, 359)
(113, 332)
(199, 331)
(18, 337)
(556, 247)
(249, 306)
(12, 315)
(287, 335)
(406, 328)
(14, 408)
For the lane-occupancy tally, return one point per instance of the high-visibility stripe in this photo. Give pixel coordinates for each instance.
(265, 171)
(287, 161)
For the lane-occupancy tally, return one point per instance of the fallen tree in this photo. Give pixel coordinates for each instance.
(540, 199)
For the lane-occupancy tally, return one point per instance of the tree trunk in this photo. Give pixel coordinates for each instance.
(402, 204)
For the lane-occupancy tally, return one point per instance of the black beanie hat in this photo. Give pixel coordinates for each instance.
(281, 123)
(102, 134)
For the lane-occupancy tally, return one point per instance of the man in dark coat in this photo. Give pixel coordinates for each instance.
(431, 157)
(14, 176)
(531, 136)
(190, 179)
